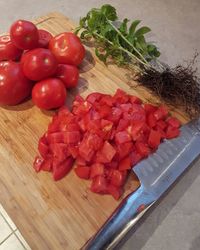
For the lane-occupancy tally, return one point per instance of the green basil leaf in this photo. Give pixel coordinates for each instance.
(109, 11)
(123, 26)
(133, 26)
(141, 31)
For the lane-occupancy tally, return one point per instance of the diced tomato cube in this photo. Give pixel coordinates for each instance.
(63, 111)
(136, 129)
(113, 164)
(80, 161)
(120, 97)
(115, 115)
(82, 108)
(72, 137)
(135, 99)
(161, 113)
(149, 108)
(59, 151)
(117, 178)
(94, 97)
(104, 111)
(47, 165)
(95, 114)
(73, 127)
(54, 125)
(174, 122)
(99, 185)
(122, 137)
(116, 192)
(124, 149)
(106, 125)
(122, 125)
(151, 120)
(172, 132)
(106, 100)
(37, 164)
(96, 169)
(135, 157)
(63, 169)
(56, 137)
(106, 153)
(93, 140)
(126, 107)
(93, 126)
(85, 151)
(162, 124)
(125, 164)
(162, 133)
(142, 149)
(138, 117)
(83, 124)
(73, 150)
(154, 139)
(77, 100)
(43, 147)
(82, 172)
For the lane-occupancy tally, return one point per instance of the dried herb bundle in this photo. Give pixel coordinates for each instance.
(178, 86)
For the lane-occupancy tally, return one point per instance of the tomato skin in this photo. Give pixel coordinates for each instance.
(99, 185)
(82, 172)
(172, 132)
(68, 74)
(154, 139)
(8, 51)
(96, 169)
(67, 48)
(62, 169)
(14, 86)
(125, 164)
(44, 38)
(37, 164)
(175, 123)
(116, 192)
(39, 64)
(49, 94)
(24, 34)
(117, 177)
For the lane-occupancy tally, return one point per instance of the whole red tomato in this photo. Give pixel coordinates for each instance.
(68, 74)
(14, 86)
(49, 94)
(67, 48)
(44, 38)
(39, 64)
(8, 51)
(24, 34)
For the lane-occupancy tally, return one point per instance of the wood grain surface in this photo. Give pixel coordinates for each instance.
(64, 214)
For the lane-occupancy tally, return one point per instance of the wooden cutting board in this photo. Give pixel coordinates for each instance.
(64, 214)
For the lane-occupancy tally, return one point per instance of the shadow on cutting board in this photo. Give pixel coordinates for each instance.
(26, 104)
(138, 236)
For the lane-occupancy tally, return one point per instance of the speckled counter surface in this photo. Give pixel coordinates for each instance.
(175, 222)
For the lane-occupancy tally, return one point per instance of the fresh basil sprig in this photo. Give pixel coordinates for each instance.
(119, 40)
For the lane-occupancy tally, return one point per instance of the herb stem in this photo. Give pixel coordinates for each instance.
(122, 49)
(141, 56)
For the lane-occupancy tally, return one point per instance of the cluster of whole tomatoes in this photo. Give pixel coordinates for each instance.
(33, 61)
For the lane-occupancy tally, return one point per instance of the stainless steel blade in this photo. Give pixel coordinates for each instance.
(163, 167)
(156, 174)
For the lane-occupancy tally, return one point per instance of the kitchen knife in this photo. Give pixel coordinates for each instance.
(156, 174)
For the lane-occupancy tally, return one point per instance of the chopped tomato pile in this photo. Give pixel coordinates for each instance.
(105, 136)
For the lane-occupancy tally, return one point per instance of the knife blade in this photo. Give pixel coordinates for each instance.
(156, 174)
